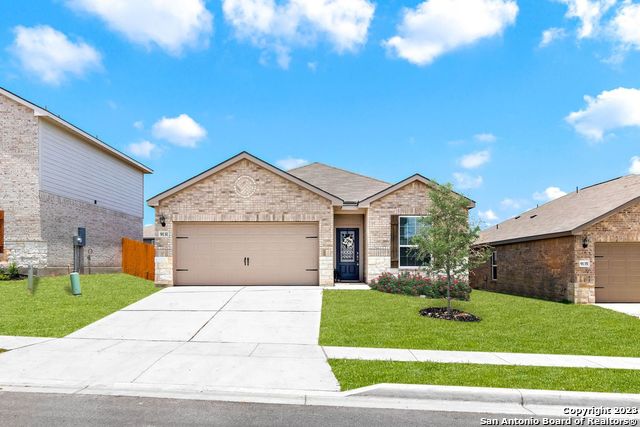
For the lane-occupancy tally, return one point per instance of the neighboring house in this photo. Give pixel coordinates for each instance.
(149, 234)
(246, 222)
(583, 247)
(55, 179)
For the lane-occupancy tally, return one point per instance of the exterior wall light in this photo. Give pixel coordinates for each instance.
(585, 242)
(163, 220)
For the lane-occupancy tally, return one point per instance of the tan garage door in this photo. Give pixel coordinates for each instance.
(246, 254)
(618, 272)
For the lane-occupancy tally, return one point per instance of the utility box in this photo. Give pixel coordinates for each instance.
(81, 239)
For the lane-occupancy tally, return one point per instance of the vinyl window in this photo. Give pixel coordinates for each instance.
(408, 227)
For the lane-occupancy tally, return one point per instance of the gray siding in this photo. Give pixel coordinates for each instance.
(73, 168)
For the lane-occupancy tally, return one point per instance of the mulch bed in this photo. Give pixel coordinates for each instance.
(441, 313)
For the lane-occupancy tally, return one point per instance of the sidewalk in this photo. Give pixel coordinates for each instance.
(484, 358)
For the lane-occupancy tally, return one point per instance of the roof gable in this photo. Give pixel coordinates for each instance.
(47, 115)
(568, 214)
(155, 200)
(413, 178)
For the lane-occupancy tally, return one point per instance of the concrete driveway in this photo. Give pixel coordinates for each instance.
(194, 337)
(632, 309)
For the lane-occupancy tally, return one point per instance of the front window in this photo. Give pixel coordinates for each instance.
(409, 227)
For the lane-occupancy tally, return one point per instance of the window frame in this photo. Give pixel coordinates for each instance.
(400, 245)
(494, 265)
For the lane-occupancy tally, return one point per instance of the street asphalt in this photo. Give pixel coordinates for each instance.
(34, 409)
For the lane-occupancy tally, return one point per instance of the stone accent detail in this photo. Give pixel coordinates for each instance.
(61, 218)
(412, 199)
(164, 271)
(274, 199)
(326, 271)
(26, 254)
(550, 268)
(378, 265)
(19, 183)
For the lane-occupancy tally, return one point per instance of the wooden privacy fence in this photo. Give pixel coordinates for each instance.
(138, 259)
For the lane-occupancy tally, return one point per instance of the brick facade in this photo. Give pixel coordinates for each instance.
(39, 226)
(214, 199)
(412, 199)
(550, 268)
(105, 228)
(19, 184)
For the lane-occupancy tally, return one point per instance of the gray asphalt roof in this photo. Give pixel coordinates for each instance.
(567, 213)
(349, 186)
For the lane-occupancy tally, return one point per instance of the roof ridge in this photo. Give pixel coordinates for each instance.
(350, 172)
(300, 167)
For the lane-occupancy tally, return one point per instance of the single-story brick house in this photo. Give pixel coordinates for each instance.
(246, 222)
(583, 247)
(56, 179)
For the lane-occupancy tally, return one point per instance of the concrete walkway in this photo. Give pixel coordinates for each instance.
(632, 309)
(484, 358)
(196, 337)
(11, 343)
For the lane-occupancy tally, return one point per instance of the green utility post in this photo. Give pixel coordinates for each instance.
(75, 283)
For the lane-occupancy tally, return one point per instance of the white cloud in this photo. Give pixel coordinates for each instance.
(435, 27)
(488, 216)
(551, 193)
(634, 167)
(612, 109)
(589, 12)
(138, 124)
(513, 204)
(51, 56)
(279, 27)
(550, 35)
(172, 25)
(485, 137)
(465, 181)
(182, 130)
(626, 25)
(142, 149)
(475, 160)
(291, 163)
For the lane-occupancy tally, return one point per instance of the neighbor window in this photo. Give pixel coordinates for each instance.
(494, 265)
(409, 227)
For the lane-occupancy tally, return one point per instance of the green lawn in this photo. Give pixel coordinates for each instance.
(52, 311)
(359, 373)
(509, 324)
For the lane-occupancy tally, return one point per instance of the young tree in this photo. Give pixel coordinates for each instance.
(446, 237)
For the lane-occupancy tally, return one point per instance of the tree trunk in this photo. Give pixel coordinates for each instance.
(449, 292)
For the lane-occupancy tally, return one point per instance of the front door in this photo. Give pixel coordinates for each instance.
(348, 254)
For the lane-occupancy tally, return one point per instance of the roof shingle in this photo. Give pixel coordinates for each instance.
(349, 186)
(567, 213)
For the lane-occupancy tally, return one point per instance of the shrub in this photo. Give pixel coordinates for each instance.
(11, 272)
(414, 283)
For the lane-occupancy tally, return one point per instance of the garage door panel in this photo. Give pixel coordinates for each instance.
(617, 272)
(277, 253)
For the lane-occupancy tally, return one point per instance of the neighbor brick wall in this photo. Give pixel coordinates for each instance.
(19, 184)
(623, 226)
(550, 268)
(61, 218)
(214, 199)
(540, 268)
(412, 199)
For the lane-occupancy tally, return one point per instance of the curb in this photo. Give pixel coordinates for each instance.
(388, 396)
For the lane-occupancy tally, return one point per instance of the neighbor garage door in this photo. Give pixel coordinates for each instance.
(618, 272)
(246, 254)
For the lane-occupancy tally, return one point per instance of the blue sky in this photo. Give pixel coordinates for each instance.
(465, 91)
